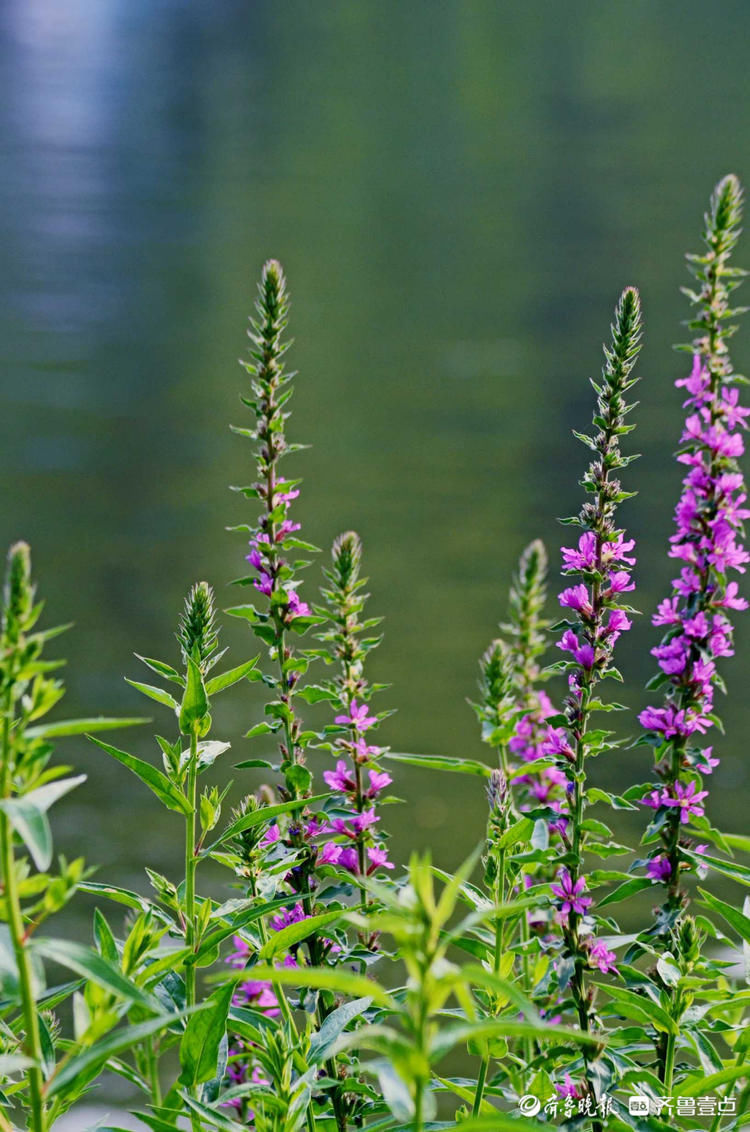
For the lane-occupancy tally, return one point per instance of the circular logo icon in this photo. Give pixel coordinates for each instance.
(529, 1105)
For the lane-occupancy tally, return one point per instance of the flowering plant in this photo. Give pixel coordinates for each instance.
(334, 990)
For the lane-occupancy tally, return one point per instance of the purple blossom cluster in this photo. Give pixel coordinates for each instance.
(255, 994)
(353, 844)
(708, 540)
(571, 897)
(274, 529)
(539, 785)
(605, 565)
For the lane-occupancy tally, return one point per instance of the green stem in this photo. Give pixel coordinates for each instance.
(481, 1079)
(153, 1064)
(419, 1106)
(496, 961)
(191, 862)
(669, 1064)
(32, 1041)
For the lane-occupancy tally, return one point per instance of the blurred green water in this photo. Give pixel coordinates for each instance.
(458, 192)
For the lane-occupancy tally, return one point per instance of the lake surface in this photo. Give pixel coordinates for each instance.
(458, 193)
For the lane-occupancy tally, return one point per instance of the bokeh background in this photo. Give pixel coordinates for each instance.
(458, 192)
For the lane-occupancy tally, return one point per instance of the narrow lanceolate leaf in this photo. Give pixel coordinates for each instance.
(233, 676)
(87, 1064)
(212, 1117)
(642, 1009)
(503, 1027)
(199, 1047)
(194, 704)
(93, 966)
(733, 916)
(154, 693)
(123, 896)
(501, 1122)
(79, 727)
(166, 791)
(324, 978)
(702, 1086)
(267, 813)
(28, 816)
(295, 933)
(442, 762)
(334, 1025)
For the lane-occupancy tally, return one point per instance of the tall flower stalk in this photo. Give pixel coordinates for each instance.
(602, 561)
(273, 537)
(358, 779)
(709, 543)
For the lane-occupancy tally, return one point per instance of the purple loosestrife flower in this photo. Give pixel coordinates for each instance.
(600, 956)
(708, 542)
(357, 718)
(659, 867)
(687, 799)
(568, 1089)
(570, 895)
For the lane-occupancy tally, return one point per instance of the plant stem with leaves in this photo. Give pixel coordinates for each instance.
(602, 561)
(18, 616)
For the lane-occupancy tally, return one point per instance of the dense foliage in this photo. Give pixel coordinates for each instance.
(333, 991)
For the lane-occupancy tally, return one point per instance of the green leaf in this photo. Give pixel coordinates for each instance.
(119, 896)
(259, 729)
(209, 751)
(28, 816)
(616, 801)
(105, 940)
(154, 693)
(93, 966)
(519, 831)
(731, 869)
(505, 1027)
(642, 1009)
(80, 1066)
(212, 1116)
(466, 1093)
(298, 779)
(738, 841)
(324, 978)
(79, 727)
(700, 1086)
(501, 1122)
(623, 891)
(733, 916)
(162, 669)
(166, 791)
(199, 1047)
(333, 1026)
(232, 676)
(194, 706)
(295, 933)
(394, 1090)
(267, 813)
(442, 762)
